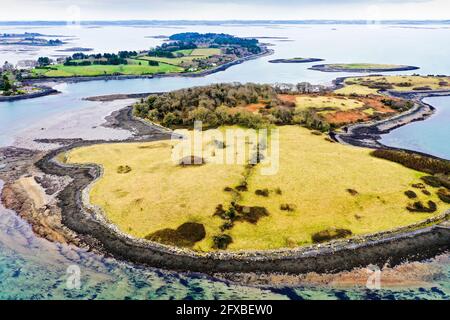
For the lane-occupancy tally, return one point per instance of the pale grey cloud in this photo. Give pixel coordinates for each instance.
(222, 10)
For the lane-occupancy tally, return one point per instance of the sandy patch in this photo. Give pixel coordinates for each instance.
(34, 191)
(85, 123)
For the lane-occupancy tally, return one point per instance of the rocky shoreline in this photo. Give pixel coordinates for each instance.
(368, 134)
(421, 241)
(70, 218)
(45, 91)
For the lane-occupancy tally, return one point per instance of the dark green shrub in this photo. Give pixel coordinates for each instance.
(222, 241)
(330, 234)
(220, 212)
(418, 206)
(262, 192)
(226, 226)
(411, 194)
(185, 235)
(444, 195)
(288, 207)
(242, 187)
(123, 169)
(432, 181)
(414, 161)
(251, 214)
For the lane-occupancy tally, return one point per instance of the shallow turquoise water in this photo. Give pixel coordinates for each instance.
(33, 268)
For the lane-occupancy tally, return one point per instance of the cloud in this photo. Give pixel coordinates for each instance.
(223, 9)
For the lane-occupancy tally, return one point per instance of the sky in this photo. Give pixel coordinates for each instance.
(69, 10)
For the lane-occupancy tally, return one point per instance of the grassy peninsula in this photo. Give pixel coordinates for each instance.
(322, 191)
(182, 53)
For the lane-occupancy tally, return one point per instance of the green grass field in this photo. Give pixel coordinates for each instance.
(200, 53)
(314, 180)
(99, 70)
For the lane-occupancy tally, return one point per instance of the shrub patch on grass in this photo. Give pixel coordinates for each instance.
(123, 169)
(251, 214)
(411, 194)
(185, 235)
(262, 193)
(432, 181)
(288, 207)
(330, 234)
(444, 195)
(418, 206)
(414, 161)
(222, 241)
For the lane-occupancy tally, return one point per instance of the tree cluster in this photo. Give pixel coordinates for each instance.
(226, 104)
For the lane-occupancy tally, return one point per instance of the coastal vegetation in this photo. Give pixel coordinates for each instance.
(372, 84)
(11, 82)
(361, 67)
(256, 106)
(184, 52)
(320, 192)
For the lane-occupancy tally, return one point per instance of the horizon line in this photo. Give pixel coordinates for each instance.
(229, 20)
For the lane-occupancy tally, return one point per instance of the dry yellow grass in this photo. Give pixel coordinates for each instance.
(319, 102)
(353, 85)
(313, 175)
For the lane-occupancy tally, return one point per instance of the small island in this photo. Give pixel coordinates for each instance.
(361, 67)
(76, 49)
(296, 60)
(29, 39)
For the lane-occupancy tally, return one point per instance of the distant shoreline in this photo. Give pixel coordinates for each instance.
(296, 60)
(203, 73)
(42, 93)
(223, 22)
